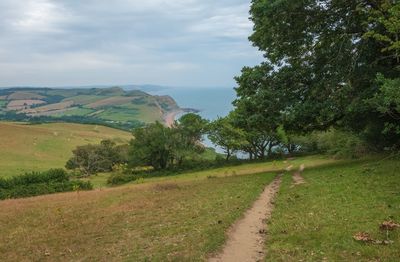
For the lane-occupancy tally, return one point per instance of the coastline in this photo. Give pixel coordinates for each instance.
(170, 117)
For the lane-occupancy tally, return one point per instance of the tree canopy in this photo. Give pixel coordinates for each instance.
(321, 64)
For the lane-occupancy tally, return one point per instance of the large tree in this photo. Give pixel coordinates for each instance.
(153, 146)
(318, 54)
(258, 110)
(162, 147)
(92, 159)
(188, 135)
(224, 134)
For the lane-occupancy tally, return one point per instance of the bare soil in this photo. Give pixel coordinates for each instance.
(297, 178)
(246, 238)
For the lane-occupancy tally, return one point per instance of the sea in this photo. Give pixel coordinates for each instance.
(211, 102)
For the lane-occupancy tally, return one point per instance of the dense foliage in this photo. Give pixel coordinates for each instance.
(92, 159)
(40, 183)
(328, 63)
(162, 147)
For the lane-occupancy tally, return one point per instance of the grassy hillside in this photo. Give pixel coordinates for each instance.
(179, 218)
(112, 106)
(185, 217)
(40, 147)
(317, 220)
(153, 222)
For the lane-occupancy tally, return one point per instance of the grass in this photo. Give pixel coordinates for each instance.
(85, 99)
(182, 220)
(75, 112)
(185, 217)
(119, 114)
(316, 221)
(244, 169)
(100, 180)
(40, 147)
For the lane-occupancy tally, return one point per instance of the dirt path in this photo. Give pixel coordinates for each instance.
(246, 237)
(297, 178)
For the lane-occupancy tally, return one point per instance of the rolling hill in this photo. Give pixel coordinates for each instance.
(44, 146)
(109, 106)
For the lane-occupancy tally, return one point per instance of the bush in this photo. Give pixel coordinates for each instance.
(338, 143)
(53, 175)
(121, 178)
(40, 183)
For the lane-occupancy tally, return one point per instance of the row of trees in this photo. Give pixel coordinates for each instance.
(153, 145)
(180, 146)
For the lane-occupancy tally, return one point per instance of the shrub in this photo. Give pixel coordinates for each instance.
(40, 183)
(338, 143)
(121, 178)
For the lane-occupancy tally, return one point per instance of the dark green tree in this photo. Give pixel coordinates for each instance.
(152, 145)
(92, 159)
(188, 134)
(322, 58)
(259, 109)
(223, 133)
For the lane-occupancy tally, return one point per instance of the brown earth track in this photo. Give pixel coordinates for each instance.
(297, 178)
(246, 238)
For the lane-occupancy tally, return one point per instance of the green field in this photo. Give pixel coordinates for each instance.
(95, 105)
(76, 112)
(40, 147)
(85, 99)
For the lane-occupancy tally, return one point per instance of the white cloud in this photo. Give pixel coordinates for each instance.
(226, 22)
(35, 16)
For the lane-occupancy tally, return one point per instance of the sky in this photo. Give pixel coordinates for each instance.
(88, 42)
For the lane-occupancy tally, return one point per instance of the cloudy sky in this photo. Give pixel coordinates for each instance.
(87, 42)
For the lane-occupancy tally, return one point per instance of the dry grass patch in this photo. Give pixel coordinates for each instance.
(136, 223)
(21, 95)
(48, 108)
(22, 104)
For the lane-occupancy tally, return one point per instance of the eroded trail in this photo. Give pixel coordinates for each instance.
(246, 238)
(297, 178)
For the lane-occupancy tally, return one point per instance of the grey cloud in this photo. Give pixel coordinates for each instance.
(170, 42)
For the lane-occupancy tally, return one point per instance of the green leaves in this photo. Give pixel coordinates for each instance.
(321, 61)
(224, 134)
(161, 147)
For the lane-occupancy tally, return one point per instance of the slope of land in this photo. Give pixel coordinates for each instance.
(183, 217)
(26, 148)
(316, 220)
(187, 217)
(110, 105)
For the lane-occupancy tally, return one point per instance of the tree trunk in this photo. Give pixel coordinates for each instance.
(270, 148)
(228, 154)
